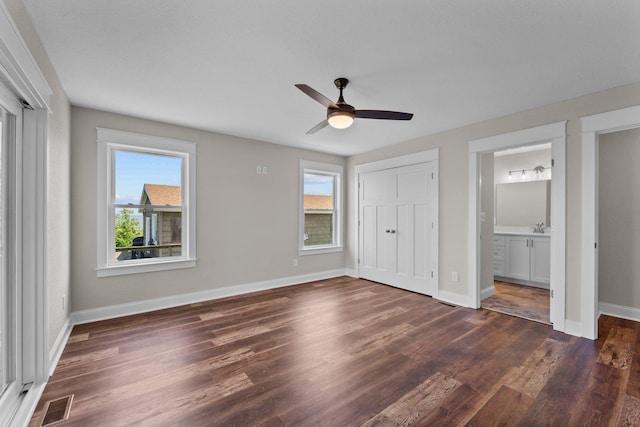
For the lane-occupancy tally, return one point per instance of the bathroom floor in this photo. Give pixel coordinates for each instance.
(520, 301)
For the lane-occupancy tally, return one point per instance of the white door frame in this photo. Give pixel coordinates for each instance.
(20, 72)
(556, 134)
(592, 127)
(395, 162)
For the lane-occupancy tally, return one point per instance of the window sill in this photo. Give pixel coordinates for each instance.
(320, 250)
(119, 270)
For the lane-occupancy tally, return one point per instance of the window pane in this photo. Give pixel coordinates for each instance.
(135, 169)
(151, 180)
(319, 209)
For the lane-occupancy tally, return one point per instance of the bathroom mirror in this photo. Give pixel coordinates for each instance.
(523, 204)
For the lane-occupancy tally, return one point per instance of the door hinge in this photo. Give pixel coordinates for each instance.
(432, 274)
(431, 175)
(551, 293)
(595, 245)
(552, 162)
(358, 260)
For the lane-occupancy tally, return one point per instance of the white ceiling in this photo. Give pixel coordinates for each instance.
(230, 66)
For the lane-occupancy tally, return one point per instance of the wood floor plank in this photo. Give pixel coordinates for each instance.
(415, 404)
(617, 350)
(343, 352)
(505, 408)
(630, 412)
(523, 301)
(603, 405)
(563, 391)
(534, 373)
(633, 386)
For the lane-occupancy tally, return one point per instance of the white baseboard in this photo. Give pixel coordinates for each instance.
(58, 346)
(487, 292)
(572, 327)
(624, 312)
(351, 272)
(113, 311)
(451, 298)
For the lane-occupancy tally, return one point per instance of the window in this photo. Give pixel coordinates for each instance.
(146, 203)
(320, 208)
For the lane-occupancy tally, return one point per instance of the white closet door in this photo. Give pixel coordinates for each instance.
(375, 250)
(396, 227)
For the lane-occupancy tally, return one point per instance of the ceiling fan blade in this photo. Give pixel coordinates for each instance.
(317, 127)
(384, 115)
(316, 95)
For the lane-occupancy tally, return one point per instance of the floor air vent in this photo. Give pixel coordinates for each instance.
(57, 410)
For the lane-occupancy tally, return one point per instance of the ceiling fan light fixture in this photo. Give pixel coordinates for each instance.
(340, 119)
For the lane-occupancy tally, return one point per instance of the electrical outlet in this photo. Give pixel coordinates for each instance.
(258, 169)
(264, 170)
(295, 262)
(455, 276)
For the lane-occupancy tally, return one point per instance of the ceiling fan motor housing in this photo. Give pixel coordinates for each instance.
(342, 117)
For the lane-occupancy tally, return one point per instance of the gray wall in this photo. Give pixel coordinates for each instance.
(58, 173)
(619, 219)
(454, 166)
(247, 224)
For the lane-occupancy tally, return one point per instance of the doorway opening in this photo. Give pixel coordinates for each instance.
(592, 128)
(515, 216)
(523, 248)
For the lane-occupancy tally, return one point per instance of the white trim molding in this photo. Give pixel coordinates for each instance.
(453, 298)
(572, 327)
(592, 127)
(615, 310)
(120, 310)
(556, 134)
(19, 68)
(58, 346)
(400, 161)
(487, 292)
(108, 142)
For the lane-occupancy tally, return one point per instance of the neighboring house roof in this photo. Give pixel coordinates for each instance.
(314, 202)
(161, 195)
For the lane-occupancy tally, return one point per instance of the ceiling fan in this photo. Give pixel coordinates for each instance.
(340, 115)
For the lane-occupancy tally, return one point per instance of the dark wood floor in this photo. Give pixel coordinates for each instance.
(344, 352)
(519, 300)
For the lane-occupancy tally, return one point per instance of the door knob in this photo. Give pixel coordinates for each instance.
(387, 231)
(392, 231)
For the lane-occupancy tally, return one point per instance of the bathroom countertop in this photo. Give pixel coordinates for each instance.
(521, 231)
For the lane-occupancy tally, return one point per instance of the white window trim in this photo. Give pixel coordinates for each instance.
(321, 168)
(110, 140)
